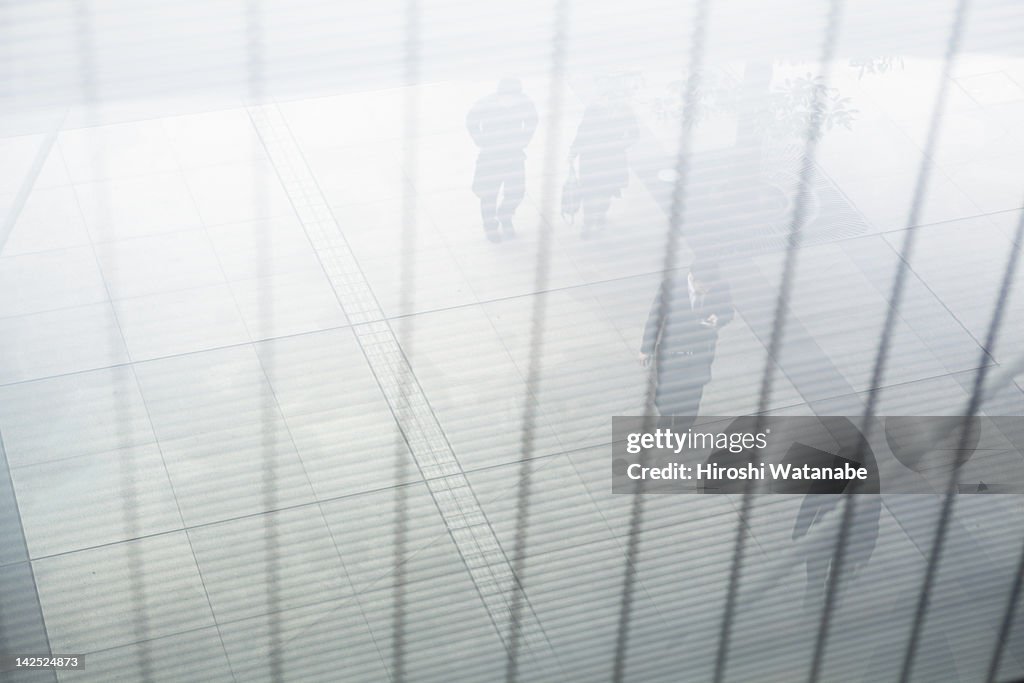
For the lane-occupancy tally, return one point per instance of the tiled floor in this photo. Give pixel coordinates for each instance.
(208, 472)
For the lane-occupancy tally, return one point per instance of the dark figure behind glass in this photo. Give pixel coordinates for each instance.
(682, 347)
(502, 125)
(607, 130)
(823, 500)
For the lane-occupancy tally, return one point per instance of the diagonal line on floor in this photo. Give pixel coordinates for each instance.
(470, 530)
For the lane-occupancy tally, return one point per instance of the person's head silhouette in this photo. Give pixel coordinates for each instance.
(510, 86)
(704, 276)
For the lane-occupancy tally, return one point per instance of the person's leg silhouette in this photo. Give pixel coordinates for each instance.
(513, 191)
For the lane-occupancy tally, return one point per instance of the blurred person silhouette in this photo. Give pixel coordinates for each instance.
(682, 347)
(502, 125)
(607, 130)
(822, 498)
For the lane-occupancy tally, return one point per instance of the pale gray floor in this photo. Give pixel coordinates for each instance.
(205, 465)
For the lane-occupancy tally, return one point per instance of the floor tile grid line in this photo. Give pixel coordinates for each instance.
(431, 468)
(452, 493)
(566, 450)
(418, 421)
(134, 382)
(315, 216)
(6, 227)
(359, 591)
(217, 625)
(307, 206)
(839, 242)
(319, 506)
(454, 496)
(392, 360)
(135, 560)
(799, 390)
(364, 311)
(28, 183)
(269, 461)
(392, 317)
(187, 528)
(882, 291)
(440, 469)
(988, 357)
(369, 587)
(845, 244)
(22, 541)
